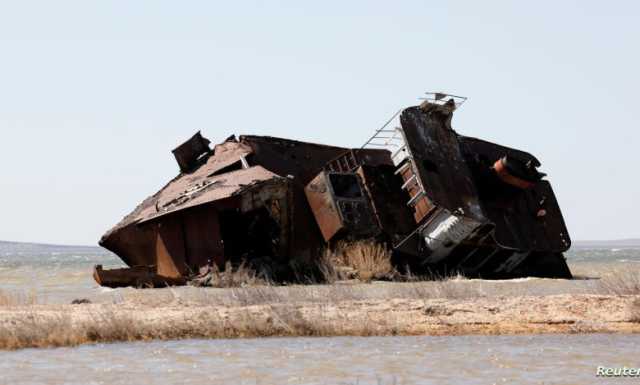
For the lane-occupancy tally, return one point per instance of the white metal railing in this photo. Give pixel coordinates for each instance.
(442, 98)
(388, 136)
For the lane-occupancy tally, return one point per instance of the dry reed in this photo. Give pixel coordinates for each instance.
(620, 283)
(317, 294)
(104, 326)
(18, 298)
(635, 311)
(362, 260)
(277, 311)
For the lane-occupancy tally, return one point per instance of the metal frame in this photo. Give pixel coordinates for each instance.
(442, 98)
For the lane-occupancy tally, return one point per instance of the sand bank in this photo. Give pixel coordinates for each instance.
(63, 325)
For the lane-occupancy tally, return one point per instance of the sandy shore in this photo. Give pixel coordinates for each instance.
(59, 325)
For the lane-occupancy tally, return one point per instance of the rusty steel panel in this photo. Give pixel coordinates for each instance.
(187, 153)
(524, 218)
(324, 206)
(133, 244)
(340, 205)
(170, 251)
(211, 189)
(438, 161)
(138, 276)
(203, 244)
(388, 200)
(301, 162)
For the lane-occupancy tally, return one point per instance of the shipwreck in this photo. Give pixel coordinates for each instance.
(441, 201)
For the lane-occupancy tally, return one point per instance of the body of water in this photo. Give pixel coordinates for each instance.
(59, 274)
(540, 359)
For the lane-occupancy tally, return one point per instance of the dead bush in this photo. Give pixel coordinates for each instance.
(620, 283)
(363, 260)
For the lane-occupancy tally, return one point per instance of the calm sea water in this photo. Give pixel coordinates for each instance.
(59, 274)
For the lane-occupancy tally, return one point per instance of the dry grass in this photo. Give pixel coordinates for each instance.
(231, 276)
(448, 289)
(625, 283)
(37, 330)
(17, 298)
(69, 325)
(362, 260)
(31, 330)
(297, 294)
(409, 276)
(620, 283)
(634, 311)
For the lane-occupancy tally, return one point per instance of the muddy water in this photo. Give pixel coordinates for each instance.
(542, 359)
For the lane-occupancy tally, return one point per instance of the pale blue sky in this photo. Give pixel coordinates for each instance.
(95, 94)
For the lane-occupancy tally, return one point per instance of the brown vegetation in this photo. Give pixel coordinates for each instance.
(620, 283)
(623, 283)
(17, 298)
(245, 305)
(230, 276)
(263, 313)
(634, 311)
(362, 260)
(316, 294)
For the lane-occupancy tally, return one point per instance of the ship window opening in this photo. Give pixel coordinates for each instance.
(345, 185)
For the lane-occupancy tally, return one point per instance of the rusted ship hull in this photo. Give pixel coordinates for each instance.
(445, 203)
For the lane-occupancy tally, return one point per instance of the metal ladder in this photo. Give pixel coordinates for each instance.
(390, 137)
(345, 163)
(412, 184)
